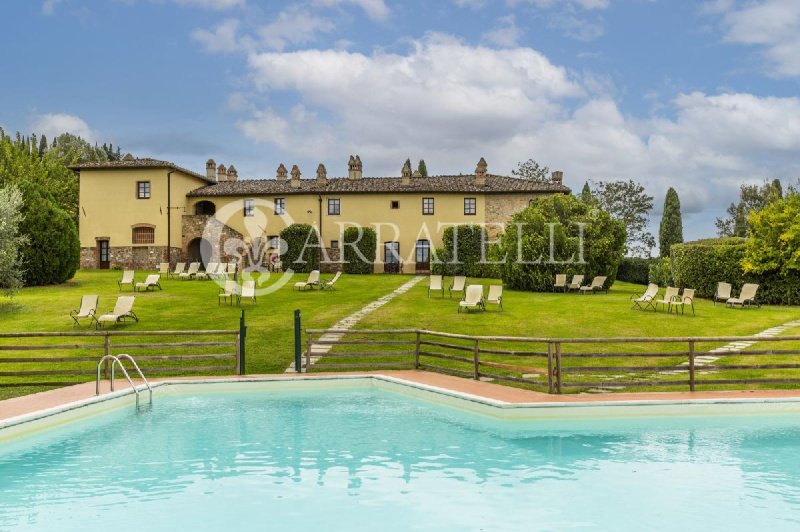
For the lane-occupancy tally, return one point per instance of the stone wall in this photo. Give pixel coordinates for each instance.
(195, 226)
(334, 255)
(130, 257)
(501, 207)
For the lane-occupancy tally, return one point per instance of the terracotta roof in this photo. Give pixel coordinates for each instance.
(130, 162)
(445, 183)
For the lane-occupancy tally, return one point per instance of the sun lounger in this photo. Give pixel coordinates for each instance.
(596, 286)
(122, 309)
(435, 284)
(458, 284)
(127, 279)
(723, 292)
(747, 297)
(686, 298)
(670, 295)
(310, 283)
(87, 310)
(575, 284)
(328, 285)
(163, 268)
(248, 291)
(228, 293)
(231, 268)
(152, 281)
(495, 296)
(179, 267)
(211, 269)
(473, 298)
(221, 272)
(561, 282)
(191, 272)
(647, 299)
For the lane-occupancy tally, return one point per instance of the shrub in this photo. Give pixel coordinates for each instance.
(660, 272)
(702, 264)
(634, 270)
(461, 253)
(530, 261)
(361, 240)
(302, 248)
(11, 272)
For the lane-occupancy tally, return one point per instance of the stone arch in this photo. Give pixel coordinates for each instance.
(205, 208)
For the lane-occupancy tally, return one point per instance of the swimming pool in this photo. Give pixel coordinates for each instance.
(360, 457)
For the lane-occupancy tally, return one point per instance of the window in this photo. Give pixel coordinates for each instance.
(395, 204)
(334, 206)
(144, 235)
(470, 206)
(334, 244)
(143, 190)
(248, 207)
(280, 205)
(427, 205)
(274, 242)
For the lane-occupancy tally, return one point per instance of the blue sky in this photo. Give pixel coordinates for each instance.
(701, 96)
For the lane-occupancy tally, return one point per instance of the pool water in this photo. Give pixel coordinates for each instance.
(366, 459)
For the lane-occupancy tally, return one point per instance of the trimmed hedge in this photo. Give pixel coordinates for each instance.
(634, 270)
(366, 241)
(660, 272)
(300, 239)
(463, 242)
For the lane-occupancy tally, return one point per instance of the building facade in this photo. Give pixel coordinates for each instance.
(136, 213)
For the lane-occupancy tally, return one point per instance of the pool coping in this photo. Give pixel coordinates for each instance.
(477, 393)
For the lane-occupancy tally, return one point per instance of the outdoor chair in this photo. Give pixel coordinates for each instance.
(248, 291)
(561, 282)
(458, 284)
(228, 293)
(575, 284)
(310, 283)
(598, 285)
(328, 285)
(231, 268)
(435, 284)
(194, 267)
(222, 271)
(473, 298)
(747, 297)
(127, 279)
(645, 301)
(179, 267)
(152, 281)
(495, 296)
(723, 292)
(211, 268)
(87, 310)
(670, 295)
(686, 298)
(163, 268)
(122, 309)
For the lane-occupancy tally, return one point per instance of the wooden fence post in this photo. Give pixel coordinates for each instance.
(106, 352)
(549, 367)
(416, 352)
(476, 352)
(691, 365)
(308, 352)
(558, 367)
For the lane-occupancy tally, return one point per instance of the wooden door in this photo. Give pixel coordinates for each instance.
(103, 255)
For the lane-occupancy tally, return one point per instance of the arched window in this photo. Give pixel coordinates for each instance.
(143, 234)
(205, 208)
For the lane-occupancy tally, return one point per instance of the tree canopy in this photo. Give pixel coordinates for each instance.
(752, 198)
(671, 229)
(532, 170)
(628, 202)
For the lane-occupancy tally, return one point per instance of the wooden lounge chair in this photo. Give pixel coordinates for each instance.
(152, 281)
(561, 282)
(228, 293)
(747, 297)
(686, 298)
(310, 283)
(248, 291)
(87, 310)
(670, 295)
(495, 296)
(179, 267)
(221, 272)
(598, 285)
(435, 284)
(211, 268)
(328, 285)
(231, 268)
(458, 284)
(723, 292)
(122, 309)
(194, 267)
(473, 298)
(163, 268)
(647, 299)
(575, 284)
(127, 279)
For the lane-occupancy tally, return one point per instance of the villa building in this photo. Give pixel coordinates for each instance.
(136, 213)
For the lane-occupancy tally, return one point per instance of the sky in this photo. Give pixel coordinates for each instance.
(696, 95)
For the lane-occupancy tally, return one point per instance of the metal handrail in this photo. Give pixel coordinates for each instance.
(116, 360)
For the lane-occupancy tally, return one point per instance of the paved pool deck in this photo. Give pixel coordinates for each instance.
(29, 404)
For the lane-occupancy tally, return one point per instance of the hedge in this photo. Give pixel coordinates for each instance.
(365, 241)
(464, 242)
(634, 270)
(660, 272)
(300, 238)
(702, 264)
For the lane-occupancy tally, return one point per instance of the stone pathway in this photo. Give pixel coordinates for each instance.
(318, 350)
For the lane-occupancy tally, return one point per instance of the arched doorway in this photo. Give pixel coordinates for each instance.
(205, 208)
(199, 250)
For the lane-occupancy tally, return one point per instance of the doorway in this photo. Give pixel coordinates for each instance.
(103, 255)
(423, 256)
(391, 257)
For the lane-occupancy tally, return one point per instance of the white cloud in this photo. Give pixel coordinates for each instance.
(472, 4)
(49, 7)
(294, 25)
(773, 24)
(222, 39)
(505, 33)
(55, 124)
(547, 4)
(217, 5)
(375, 9)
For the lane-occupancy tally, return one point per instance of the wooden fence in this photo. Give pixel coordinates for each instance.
(558, 364)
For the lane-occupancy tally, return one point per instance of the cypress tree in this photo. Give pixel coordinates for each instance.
(423, 170)
(671, 228)
(586, 194)
(42, 146)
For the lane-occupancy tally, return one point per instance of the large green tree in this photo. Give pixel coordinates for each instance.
(752, 198)
(586, 194)
(628, 202)
(422, 169)
(671, 229)
(11, 240)
(532, 170)
(774, 243)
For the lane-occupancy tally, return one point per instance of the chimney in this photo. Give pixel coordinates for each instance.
(406, 173)
(322, 174)
(354, 167)
(211, 170)
(480, 173)
(232, 173)
(282, 174)
(557, 178)
(222, 174)
(295, 176)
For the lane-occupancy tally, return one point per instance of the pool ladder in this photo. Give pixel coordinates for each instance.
(117, 360)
